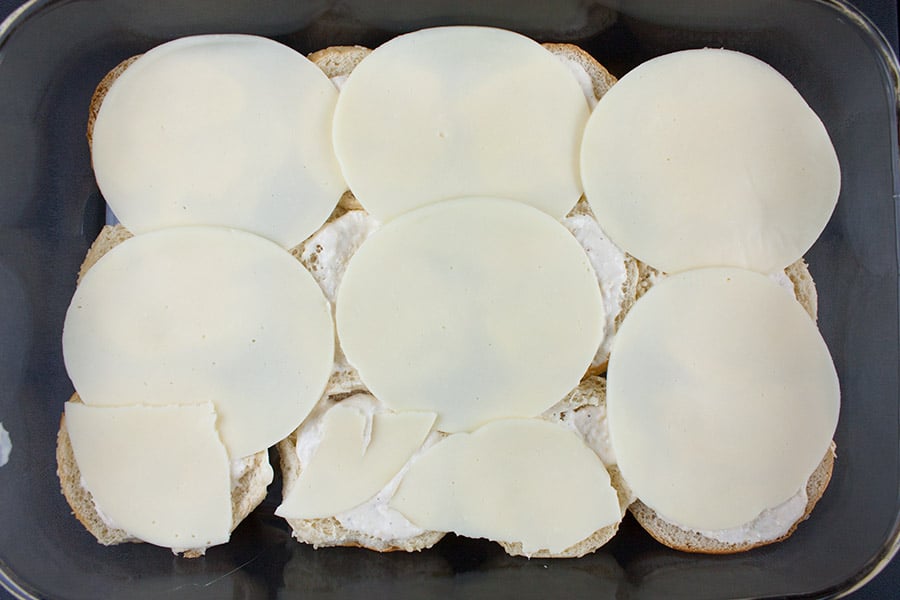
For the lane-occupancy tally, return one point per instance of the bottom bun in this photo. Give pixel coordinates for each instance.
(687, 540)
(247, 492)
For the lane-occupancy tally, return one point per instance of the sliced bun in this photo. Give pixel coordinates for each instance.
(591, 392)
(797, 272)
(339, 61)
(329, 532)
(247, 492)
(804, 287)
(676, 537)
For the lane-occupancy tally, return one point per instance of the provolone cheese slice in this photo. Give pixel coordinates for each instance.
(475, 309)
(203, 314)
(513, 480)
(230, 130)
(722, 398)
(460, 111)
(158, 472)
(707, 158)
(354, 460)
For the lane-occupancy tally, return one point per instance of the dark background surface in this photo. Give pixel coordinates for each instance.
(884, 13)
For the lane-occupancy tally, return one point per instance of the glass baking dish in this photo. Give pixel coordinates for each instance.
(53, 53)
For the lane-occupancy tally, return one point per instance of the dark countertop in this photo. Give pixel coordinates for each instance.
(884, 13)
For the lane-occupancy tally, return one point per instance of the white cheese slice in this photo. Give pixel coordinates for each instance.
(203, 314)
(230, 130)
(707, 158)
(158, 472)
(513, 480)
(357, 456)
(722, 397)
(475, 308)
(460, 111)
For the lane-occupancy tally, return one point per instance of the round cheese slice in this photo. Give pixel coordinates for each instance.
(513, 480)
(231, 130)
(158, 472)
(475, 309)
(722, 398)
(460, 111)
(707, 158)
(203, 314)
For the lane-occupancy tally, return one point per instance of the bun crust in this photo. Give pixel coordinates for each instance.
(686, 540)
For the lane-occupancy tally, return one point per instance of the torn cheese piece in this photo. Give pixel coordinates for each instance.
(512, 480)
(231, 130)
(476, 309)
(705, 158)
(160, 473)
(722, 398)
(203, 314)
(459, 111)
(357, 456)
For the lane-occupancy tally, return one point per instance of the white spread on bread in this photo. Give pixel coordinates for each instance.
(608, 262)
(160, 473)
(452, 102)
(237, 468)
(784, 282)
(241, 466)
(583, 78)
(590, 423)
(196, 314)
(709, 158)
(5, 445)
(358, 453)
(230, 130)
(489, 308)
(528, 468)
(107, 520)
(780, 277)
(771, 524)
(327, 252)
(720, 368)
(374, 517)
(339, 81)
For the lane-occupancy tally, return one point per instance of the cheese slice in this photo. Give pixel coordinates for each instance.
(513, 480)
(475, 308)
(722, 398)
(358, 454)
(203, 314)
(158, 472)
(460, 111)
(707, 158)
(230, 130)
